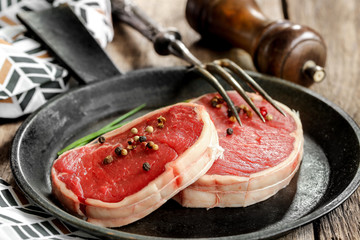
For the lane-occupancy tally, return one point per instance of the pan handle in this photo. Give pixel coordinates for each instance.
(166, 40)
(61, 31)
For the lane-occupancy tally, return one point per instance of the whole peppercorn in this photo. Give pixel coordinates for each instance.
(131, 147)
(230, 113)
(142, 139)
(244, 107)
(263, 111)
(124, 152)
(134, 131)
(146, 166)
(232, 119)
(214, 102)
(149, 129)
(249, 113)
(161, 121)
(108, 160)
(118, 151)
(101, 139)
(229, 131)
(150, 144)
(269, 117)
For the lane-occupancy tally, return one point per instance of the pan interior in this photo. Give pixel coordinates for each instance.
(329, 172)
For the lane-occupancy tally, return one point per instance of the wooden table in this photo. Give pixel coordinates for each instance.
(338, 21)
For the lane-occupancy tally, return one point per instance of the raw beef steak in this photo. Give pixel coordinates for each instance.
(259, 158)
(133, 170)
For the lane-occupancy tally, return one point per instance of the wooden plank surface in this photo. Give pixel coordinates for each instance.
(339, 24)
(338, 21)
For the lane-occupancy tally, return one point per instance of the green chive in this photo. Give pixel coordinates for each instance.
(126, 115)
(111, 126)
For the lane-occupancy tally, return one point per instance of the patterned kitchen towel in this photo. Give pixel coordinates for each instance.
(29, 77)
(21, 220)
(26, 82)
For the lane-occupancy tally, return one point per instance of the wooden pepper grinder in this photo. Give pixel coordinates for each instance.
(280, 48)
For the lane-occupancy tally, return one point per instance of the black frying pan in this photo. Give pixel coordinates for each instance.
(329, 173)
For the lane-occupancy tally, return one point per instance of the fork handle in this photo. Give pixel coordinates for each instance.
(166, 40)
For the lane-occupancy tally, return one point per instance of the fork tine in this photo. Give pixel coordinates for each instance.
(168, 41)
(215, 83)
(214, 67)
(251, 82)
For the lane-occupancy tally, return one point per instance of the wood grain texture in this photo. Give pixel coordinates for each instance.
(339, 24)
(304, 232)
(338, 21)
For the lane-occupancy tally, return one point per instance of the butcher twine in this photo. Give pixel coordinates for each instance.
(29, 76)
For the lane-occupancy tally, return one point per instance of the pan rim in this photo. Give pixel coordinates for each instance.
(72, 220)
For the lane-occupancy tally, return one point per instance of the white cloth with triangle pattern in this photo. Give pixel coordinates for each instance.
(29, 76)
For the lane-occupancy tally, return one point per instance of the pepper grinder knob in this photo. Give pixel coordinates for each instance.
(279, 48)
(313, 71)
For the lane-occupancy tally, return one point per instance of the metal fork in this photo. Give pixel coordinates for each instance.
(168, 41)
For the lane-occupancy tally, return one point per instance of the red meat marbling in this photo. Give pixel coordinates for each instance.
(259, 158)
(122, 191)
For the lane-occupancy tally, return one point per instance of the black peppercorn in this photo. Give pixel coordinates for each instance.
(150, 145)
(214, 102)
(230, 113)
(229, 131)
(142, 138)
(101, 139)
(118, 151)
(146, 166)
